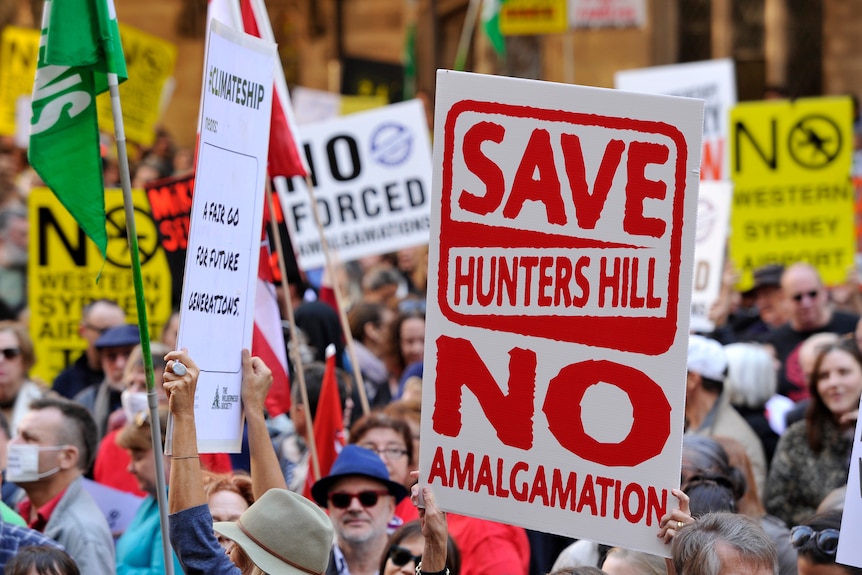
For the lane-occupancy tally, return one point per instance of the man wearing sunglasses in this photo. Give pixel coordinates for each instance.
(361, 501)
(810, 312)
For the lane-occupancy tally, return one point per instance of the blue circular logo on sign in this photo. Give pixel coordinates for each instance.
(391, 144)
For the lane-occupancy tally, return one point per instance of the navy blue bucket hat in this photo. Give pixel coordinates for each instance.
(356, 461)
(119, 336)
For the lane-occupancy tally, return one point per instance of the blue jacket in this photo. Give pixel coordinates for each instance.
(139, 549)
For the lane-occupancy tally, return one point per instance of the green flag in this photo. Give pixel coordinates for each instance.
(491, 25)
(80, 45)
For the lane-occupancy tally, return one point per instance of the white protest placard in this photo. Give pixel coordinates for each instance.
(713, 219)
(563, 222)
(371, 173)
(713, 81)
(224, 239)
(849, 550)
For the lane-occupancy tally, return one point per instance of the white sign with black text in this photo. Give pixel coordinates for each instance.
(224, 239)
(371, 173)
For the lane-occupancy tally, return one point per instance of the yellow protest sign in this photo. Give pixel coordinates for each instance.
(793, 199)
(150, 62)
(19, 53)
(533, 17)
(62, 274)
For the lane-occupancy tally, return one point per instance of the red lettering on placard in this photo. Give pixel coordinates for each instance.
(459, 366)
(712, 160)
(639, 188)
(650, 411)
(538, 158)
(490, 205)
(484, 167)
(588, 206)
(511, 416)
(631, 501)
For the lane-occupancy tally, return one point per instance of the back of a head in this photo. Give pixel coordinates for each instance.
(709, 494)
(705, 456)
(313, 373)
(41, 560)
(751, 377)
(702, 547)
(362, 314)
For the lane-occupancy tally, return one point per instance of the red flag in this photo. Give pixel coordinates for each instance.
(267, 340)
(285, 158)
(328, 423)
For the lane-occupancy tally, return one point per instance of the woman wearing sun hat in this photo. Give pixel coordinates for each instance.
(282, 533)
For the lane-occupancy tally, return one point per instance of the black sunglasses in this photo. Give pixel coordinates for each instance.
(810, 294)
(10, 352)
(342, 499)
(400, 556)
(826, 540)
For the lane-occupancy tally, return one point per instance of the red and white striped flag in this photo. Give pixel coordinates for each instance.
(250, 16)
(285, 158)
(267, 341)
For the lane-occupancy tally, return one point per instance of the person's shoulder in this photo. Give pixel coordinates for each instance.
(781, 334)
(87, 397)
(795, 436)
(843, 322)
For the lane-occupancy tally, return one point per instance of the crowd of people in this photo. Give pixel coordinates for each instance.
(772, 399)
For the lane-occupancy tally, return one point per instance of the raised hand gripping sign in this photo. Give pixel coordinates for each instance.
(562, 223)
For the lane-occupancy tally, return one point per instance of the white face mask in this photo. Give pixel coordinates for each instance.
(22, 465)
(133, 403)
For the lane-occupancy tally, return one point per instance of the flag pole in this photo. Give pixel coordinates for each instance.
(339, 301)
(152, 395)
(466, 35)
(294, 335)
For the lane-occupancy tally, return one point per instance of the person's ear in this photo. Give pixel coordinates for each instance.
(68, 458)
(692, 380)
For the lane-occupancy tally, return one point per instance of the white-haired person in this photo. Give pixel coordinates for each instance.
(751, 382)
(719, 543)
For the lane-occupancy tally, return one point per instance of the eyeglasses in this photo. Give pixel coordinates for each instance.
(342, 499)
(826, 540)
(98, 330)
(10, 353)
(387, 452)
(400, 556)
(809, 294)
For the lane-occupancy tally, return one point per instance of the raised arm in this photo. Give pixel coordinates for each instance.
(434, 529)
(186, 480)
(265, 469)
